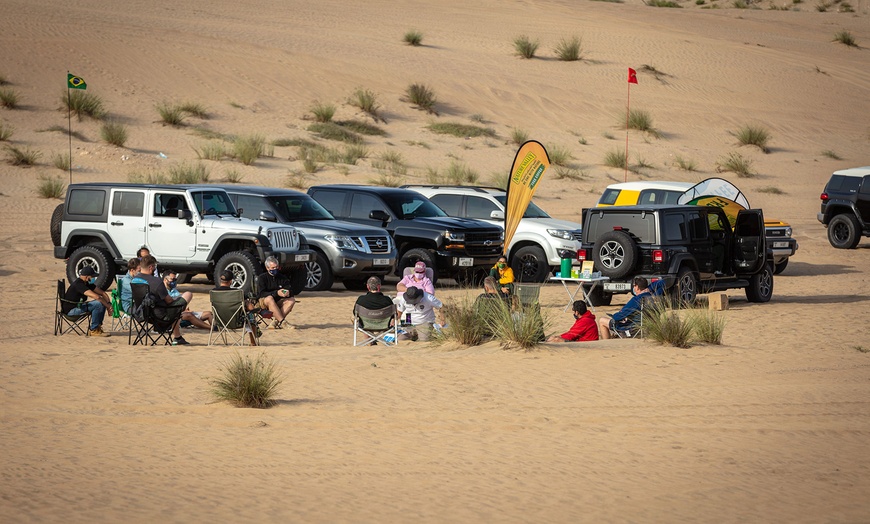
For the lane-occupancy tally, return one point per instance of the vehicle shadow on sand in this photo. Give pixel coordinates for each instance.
(805, 269)
(821, 299)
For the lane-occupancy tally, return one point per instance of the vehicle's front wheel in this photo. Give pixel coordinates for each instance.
(685, 291)
(318, 273)
(843, 231)
(412, 256)
(95, 257)
(244, 267)
(779, 267)
(530, 264)
(761, 285)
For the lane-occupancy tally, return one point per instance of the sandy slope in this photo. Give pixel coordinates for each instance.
(771, 426)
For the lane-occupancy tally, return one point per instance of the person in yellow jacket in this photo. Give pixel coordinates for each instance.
(504, 275)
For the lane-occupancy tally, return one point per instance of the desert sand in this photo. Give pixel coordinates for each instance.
(771, 426)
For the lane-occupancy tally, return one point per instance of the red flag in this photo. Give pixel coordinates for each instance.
(632, 76)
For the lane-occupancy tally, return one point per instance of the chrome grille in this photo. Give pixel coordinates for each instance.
(774, 232)
(578, 235)
(481, 244)
(378, 244)
(285, 239)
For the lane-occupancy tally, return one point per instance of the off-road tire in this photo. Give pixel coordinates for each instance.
(685, 289)
(844, 231)
(56, 221)
(599, 297)
(780, 267)
(298, 277)
(96, 257)
(412, 256)
(244, 266)
(615, 254)
(318, 273)
(530, 264)
(761, 285)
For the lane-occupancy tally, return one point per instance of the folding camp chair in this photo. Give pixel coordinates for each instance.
(229, 320)
(527, 293)
(429, 272)
(64, 323)
(634, 327)
(156, 322)
(375, 324)
(120, 318)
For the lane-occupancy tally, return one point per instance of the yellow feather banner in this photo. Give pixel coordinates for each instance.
(527, 171)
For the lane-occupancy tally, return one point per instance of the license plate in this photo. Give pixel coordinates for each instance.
(618, 286)
(780, 244)
(382, 261)
(466, 262)
(301, 258)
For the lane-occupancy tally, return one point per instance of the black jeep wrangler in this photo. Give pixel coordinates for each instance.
(693, 249)
(459, 248)
(846, 207)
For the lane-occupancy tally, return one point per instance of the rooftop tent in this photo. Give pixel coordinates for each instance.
(716, 192)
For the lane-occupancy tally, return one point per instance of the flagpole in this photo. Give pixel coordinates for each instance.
(69, 125)
(627, 106)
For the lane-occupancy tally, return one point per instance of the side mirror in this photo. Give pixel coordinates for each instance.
(185, 214)
(268, 216)
(496, 214)
(380, 215)
(239, 211)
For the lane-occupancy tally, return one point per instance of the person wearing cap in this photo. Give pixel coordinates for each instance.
(584, 329)
(147, 267)
(275, 294)
(504, 275)
(83, 296)
(421, 307)
(374, 299)
(418, 279)
(225, 282)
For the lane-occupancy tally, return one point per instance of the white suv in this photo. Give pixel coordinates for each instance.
(540, 241)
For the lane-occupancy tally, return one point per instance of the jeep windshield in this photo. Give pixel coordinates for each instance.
(409, 206)
(213, 203)
(532, 211)
(299, 208)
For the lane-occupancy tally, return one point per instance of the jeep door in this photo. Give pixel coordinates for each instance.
(749, 248)
(127, 220)
(701, 243)
(169, 238)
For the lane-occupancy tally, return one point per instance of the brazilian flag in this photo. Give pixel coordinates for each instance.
(75, 82)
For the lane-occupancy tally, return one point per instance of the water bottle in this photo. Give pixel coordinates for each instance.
(407, 319)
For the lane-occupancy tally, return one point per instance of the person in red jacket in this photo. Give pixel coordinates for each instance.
(584, 328)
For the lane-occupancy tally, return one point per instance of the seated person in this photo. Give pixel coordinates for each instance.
(487, 304)
(144, 252)
(418, 279)
(421, 308)
(275, 294)
(504, 275)
(374, 298)
(627, 317)
(124, 284)
(84, 296)
(584, 328)
(198, 319)
(155, 285)
(490, 291)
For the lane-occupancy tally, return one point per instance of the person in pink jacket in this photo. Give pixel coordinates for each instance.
(417, 279)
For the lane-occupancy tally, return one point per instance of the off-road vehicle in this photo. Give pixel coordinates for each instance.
(692, 248)
(191, 229)
(846, 207)
(343, 250)
(540, 241)
(777, 233)
(458, 248)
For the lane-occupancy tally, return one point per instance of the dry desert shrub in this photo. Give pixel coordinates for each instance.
(707, 326)
(61, 161)
(519, 136)
(831, 154)
(662, 3)
(184, 173)
(460, 130)
(615, 158)
(22, 156)
(333, 131)
(737, 164)
(322, 112)
(559, 156)
(362, 128)
(757, 136)
(247, 149)
(686, 164)
(422, 97)
(367, 101)
(297, 180)
(664, 325)
(569, 49)
(771, 190)
(50, 187)
(114, 133)
(524, 47)
(249, 382)
(83, 103)
(194, 109)
(6, 131)
(640, 120)
(845, 37)
(569, 173)
(170, 114)
(8, 98)
(211, 150)
(233, 176)
(413, 37)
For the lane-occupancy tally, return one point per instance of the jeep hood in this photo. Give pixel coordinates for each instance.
(230, 223)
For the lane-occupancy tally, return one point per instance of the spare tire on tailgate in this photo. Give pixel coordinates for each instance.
(615, 254)
(56, 219)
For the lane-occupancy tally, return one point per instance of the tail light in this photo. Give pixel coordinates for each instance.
(581, 254)
(824, 197)
(658, 256)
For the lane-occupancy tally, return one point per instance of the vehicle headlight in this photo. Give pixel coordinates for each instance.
(788, 232)
(455, 237)
(342, 242)
(564, 234)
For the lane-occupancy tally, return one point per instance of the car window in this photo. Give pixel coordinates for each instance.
(297, 208)
(609, 197)
(128, 203)
(476, 207)
(86, 201)
(659, 196)
(639, 224)
(363, 204)
(533, 211)
(449, 203)
(212, 203)
(251, 205)
(332, 201)
(168, 204)
(675, 227)
(844, 184)
(697, 226)
(410, 204)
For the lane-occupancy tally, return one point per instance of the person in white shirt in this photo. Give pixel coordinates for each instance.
(422, 309)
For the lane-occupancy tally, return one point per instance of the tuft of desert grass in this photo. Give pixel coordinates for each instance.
(83, 103)
(757, 136)
(413, 37)
(658, 74)
(524, 47)
(6, 131)
(460, 130)
(391, 167)
(640, 120)
(246, 381)
(188, 173)
(519, 136)
(233, 175)
(367, 101)
(61, 161)
(114, 133)
(50, 187)
(569, 49)
(247, 149)
(686, 164)
(831, 154)
(707, 326)
(297, 180)
(522, 326)
(149, 176)
(8, 98)
(208, 134)
(458, 173)
(296, 142)
(322, 112)
(615, 158)
(387, 179)
(194, 109)
(568, 173)
(846, 38)
(422, 97)
(559, 155)
(333, 131)
(3, 80)
(22, 156)
(737, 164)
(211, 150)
(845, 7)
(362, 128)
(662, 3)
(171, 114)
(464, 321)
(664, 325)
(771, 190)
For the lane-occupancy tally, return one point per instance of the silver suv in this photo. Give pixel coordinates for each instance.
(343, 250)
(191, 229)
(540, 241)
